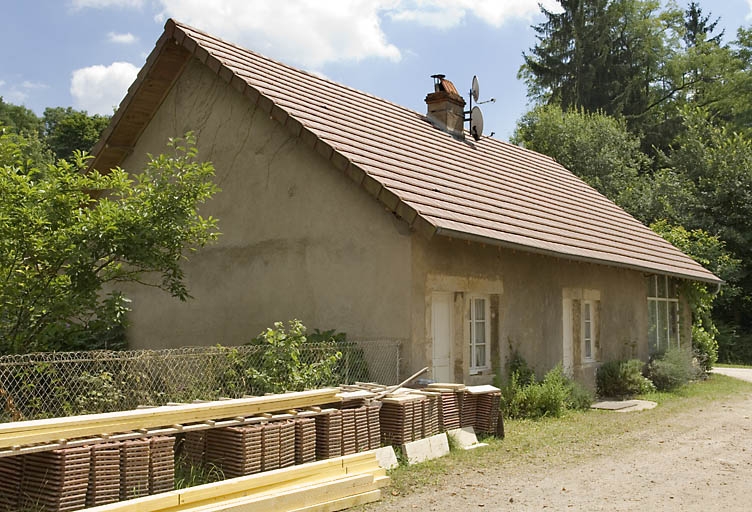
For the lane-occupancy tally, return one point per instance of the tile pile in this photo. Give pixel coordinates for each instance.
(374, 425)
(305, 440)
(270, 446)
(349, 443)
(10, 481)
(55, 480)
(104, 474)
(488, 403)
(235, 450)
(194, 447)
(431, 415)
(286, 443)
(134, 469)
(161, 464)
(329, 435)
(468, 405)
(401, 418)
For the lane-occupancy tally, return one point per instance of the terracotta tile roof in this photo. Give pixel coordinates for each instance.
(490, 191)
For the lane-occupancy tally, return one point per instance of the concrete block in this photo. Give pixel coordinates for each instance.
(464, 437)
(386, 457)
(426, 449)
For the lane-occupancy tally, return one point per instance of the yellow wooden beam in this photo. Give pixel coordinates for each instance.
(343, 503)
(22, 433)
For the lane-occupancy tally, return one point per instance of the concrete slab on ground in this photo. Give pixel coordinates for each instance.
(624, 405)
(465, 438)
(426, 449)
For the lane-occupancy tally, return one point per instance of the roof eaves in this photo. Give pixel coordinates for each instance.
(451, 233)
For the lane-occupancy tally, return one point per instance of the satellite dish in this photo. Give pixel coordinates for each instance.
(475, 89)
(476, 123)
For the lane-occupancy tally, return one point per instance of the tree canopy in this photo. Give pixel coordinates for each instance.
(647, 103)
(69, 235)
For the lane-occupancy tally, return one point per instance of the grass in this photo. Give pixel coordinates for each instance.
(575, 436)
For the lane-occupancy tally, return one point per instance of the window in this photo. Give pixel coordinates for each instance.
(663, 314)
(480, 332)
(588, 331)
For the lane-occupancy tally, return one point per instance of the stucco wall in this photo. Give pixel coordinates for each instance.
(530, 314)
(299, 239)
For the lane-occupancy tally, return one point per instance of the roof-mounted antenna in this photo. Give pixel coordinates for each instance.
(475, 115)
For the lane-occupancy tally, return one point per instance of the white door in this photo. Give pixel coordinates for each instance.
(441, 332)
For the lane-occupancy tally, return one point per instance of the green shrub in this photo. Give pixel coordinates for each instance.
(706, 348)
(516, 364)
(550, 397)
(580, 398)
(286, 366)
(622, 379)
(672, 369)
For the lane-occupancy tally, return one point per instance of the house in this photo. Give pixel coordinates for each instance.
(350, 212)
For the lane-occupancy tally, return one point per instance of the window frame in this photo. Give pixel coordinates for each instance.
(473, 367)
(655, 303)
(591, 322)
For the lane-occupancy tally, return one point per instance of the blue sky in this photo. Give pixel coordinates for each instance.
(85, 53)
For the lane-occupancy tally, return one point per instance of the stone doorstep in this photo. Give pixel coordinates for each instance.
(465, 438)
(426, 449)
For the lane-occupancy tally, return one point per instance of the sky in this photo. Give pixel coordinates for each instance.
(85, 53)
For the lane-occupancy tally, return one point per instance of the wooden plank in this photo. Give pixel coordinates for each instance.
(343, 503)
(327, 477)
(51, 430)
(289, 499)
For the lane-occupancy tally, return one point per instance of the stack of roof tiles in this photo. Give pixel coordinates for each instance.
(56, 480)
(449, 409)
(305, 440)
(431, 415)
(161, 464)
(194, 447)
(134, 468)
(236, 450)
(349, 442)
(104, 474)
(329, 435)
(362, 439)
(286, 443)
(374, 425)
(401, 418)
(270, 446)
(467, 402)
(487, 419)
(11, 469)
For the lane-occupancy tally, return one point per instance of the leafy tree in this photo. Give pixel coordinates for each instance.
(68, 130)
(19, 119)
(594, 146)
(68, 237)
(698, 28)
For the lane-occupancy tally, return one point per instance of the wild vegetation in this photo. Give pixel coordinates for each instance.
(651, 104)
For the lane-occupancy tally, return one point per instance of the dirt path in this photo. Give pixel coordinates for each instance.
(699, 459)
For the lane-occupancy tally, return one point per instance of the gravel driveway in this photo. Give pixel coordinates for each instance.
(738, 373)
(699, 459)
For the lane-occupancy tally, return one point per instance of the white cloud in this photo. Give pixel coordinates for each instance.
(126, 38)
(443, 14)
(98, 89)
(307, 32)
(104, 4)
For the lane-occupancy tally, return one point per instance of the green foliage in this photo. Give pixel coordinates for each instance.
(672, 369)
(188, 474)
(66, 233)
(286, 365)
(517, 366)
(524, 397)
(68, 130)
(19, 119)
(594, 146)
(620, 379)
(705, 347)
(101, 394)
(352, 365)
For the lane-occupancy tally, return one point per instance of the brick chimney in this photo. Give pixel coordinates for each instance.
(446, 108)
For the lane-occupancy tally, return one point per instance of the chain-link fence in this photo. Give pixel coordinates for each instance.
(54, 384)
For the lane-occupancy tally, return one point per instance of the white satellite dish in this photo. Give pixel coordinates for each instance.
(475, 89)
(476, 123)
